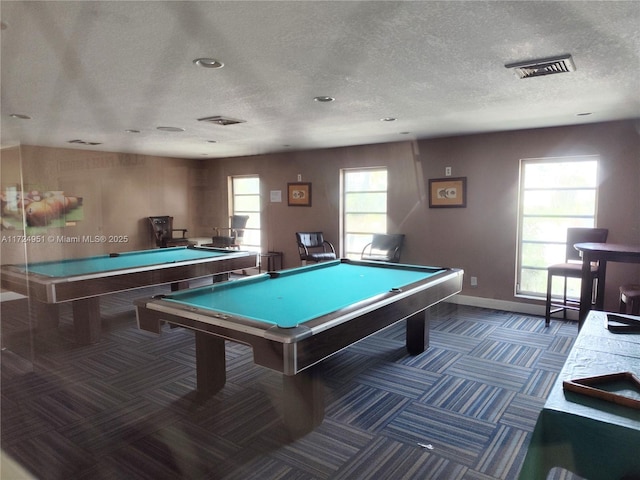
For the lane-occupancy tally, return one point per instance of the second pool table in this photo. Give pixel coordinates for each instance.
(293, 319)
(83, 280)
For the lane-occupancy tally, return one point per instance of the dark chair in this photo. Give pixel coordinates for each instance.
(384, 247)
(572, 268)
(630, 297)
(234, 232)
(162, 228)
(313, 247)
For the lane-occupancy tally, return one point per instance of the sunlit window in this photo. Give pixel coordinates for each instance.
(364, 207)
(555, 194)
(245, 192)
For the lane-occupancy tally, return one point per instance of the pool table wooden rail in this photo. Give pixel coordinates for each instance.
(45, 289)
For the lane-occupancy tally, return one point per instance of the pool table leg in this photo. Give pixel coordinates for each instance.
(303, 402)
(179, 285)
(211, 368)
(418, 332)
(86, 320)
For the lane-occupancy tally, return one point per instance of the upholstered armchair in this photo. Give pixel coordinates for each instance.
(313, 247)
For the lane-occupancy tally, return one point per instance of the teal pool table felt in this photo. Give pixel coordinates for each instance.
(122, 261)
(296, 296)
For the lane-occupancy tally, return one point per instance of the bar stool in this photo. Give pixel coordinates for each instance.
(572, 268)
(630, 296)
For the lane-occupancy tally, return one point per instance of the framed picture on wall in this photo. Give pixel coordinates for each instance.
(299, 194)
(448, 192)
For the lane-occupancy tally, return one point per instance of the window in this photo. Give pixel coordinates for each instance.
(554, 194)
(364, 207)
(245, 200)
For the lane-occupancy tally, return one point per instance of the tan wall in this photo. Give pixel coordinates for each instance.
(121, 190)
(480, 238)
(118, 190)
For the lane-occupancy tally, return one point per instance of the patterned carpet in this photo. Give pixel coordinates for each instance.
(125, 408)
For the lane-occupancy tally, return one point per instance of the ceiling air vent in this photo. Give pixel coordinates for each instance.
(83, 142)
(220, 120)
(546, 66)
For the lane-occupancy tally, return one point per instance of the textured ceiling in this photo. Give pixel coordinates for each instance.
(90, 70)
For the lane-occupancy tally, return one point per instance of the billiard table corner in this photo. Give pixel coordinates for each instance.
(146, 321)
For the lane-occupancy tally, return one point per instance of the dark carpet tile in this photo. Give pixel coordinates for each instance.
(392, 377)
(551, 361)
(507, 353)
(491, 372)
(343, 367)
(538, 340)
(112, 428)
(366, 408)
(453, 342)
(386, 458)
(436, 360)
(562, 343)
(503, 454)
(51, 455)
(522, 412)
(454, 436)
(465, 327)
(540, 383)
(126, 407)
(470, 398)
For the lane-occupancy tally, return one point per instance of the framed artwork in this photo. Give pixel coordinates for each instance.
(299, 194)
(448, 192)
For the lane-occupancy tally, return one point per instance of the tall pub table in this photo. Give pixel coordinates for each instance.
(602, 253)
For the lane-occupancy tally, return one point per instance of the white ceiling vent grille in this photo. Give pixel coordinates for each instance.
(220, 120)
(546, 66)
(83, 142)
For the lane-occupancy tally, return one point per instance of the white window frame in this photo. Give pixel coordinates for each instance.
(353, 241)
(552, 243)
(253, 229)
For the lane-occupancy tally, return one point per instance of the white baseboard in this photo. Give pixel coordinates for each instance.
(517, 307)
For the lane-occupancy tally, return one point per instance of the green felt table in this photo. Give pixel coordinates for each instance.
(102, 264)
(83, 280)
(297, 296)
(293, 319)
(590, 436)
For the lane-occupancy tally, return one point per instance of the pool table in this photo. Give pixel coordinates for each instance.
(293, 319)
(83, 280)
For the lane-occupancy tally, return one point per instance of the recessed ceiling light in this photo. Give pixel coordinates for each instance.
(323, 98)
(171, 129)
(132, 131)
(584, 114)
(212, 141)
(388, 119)
(208, 63)
(21, 116)
(405, 133)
